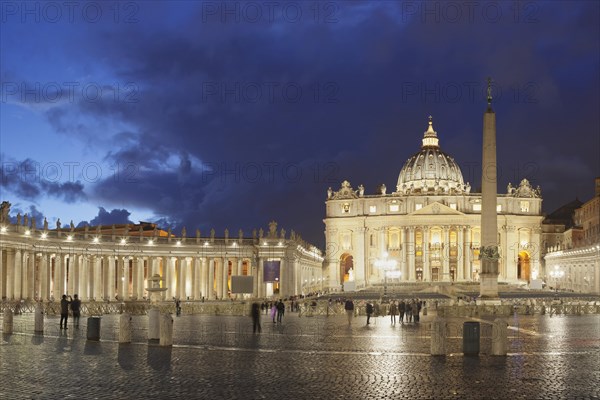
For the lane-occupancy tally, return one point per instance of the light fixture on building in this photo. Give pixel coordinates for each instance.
(44, 235)
(150, 242)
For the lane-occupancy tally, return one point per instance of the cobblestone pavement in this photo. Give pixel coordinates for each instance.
(302, 358)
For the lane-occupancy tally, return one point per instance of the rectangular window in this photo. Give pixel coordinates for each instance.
(418, 206)
(394, 207)
(453, 206)
(477, 207)
(498, 207)
(372, 209)
(524, 206)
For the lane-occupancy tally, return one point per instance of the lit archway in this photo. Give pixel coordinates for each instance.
(346, 263)
(524, 266)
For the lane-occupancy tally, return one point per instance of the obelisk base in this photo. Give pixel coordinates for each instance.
(488, 288)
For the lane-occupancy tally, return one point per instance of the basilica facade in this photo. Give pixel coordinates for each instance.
(429, 228)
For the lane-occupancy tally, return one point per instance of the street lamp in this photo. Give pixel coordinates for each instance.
(385, 265)
(557, 274)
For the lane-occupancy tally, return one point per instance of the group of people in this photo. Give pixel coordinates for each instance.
(75, 305)
(408, 310)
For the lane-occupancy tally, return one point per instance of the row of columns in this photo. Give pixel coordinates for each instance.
(409, 260)
(29, 275)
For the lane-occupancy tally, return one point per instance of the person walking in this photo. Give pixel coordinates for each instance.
(274, 311)
(369, 311)
(402, 310)
(349, 307)
(408, 311)
(255, 314)
(393, 311)
(64, 311)
(76, 309)
(280, 311)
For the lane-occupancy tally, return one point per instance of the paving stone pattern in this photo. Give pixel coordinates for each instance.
(302, 358)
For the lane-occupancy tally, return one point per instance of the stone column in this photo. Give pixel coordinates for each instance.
(260, 281)
(403, 252)
(106, 281)
(283, 277)
(141, 278)
(59, 276)
(10, 274)
(18, 276)
(426, 272)
(219, 277)
(183, 265)
(211, 279)
(467, 254)
(98, 276)
(120, 276)
(44, 274)
(412, 254)
(360, 258)
(27, 281)
(82, 287)
(167, 273)
(512, 254)
(225, 269)
(204, 277)
(74, 270)
(2, 283)
(446, 255)
(135, 277)
(195, 278)
(460, 259)
(536, 254)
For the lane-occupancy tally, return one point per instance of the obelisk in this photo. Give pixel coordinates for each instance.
(488, 252)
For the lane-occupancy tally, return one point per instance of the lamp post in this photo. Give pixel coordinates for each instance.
(385, 265)
(557, 274)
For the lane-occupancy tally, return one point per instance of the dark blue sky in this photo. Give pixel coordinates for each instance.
(233, 114)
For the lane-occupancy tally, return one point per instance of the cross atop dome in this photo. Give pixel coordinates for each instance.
(430, 138)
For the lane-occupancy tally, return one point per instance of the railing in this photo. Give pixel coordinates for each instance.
(309, 308)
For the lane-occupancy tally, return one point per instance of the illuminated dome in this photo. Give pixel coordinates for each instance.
(431, 170)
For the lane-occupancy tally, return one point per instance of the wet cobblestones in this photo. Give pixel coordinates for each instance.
(303, 358)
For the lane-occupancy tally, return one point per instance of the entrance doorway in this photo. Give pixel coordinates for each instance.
(346, 264)
(524, 266)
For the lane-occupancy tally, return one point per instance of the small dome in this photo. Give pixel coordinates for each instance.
(430, 170)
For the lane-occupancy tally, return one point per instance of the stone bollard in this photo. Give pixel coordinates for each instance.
(93, 328)
(471, 335)
(438, 337)
(543, 309)
(153, 324)
(425, 311)
(166, 330)
(499, 337)
(39, 318)
(7, 325)
(125, 328)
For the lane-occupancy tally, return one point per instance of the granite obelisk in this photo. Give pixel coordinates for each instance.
(488, 252)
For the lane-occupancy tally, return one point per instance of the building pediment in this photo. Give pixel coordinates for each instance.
(436, 208)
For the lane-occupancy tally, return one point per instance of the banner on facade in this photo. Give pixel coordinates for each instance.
(242, 284)
(271, 271)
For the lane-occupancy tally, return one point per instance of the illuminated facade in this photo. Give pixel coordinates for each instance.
(114, 263)
(572, 259)
(429, 227)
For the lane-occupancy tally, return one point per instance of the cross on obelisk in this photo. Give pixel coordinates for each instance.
(488, 252)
